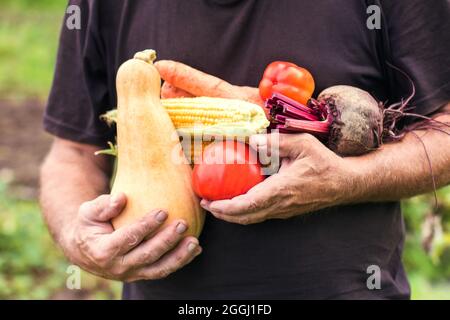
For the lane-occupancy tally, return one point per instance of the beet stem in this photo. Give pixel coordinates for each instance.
(290, 116)
(308, 126)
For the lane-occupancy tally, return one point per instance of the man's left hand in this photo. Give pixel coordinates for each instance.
(311, 177)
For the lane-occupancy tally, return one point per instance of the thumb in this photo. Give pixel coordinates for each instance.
(166, 69)
(103, 208)
(299, 145)
(276, 144)
(289, 145)
(251, 94)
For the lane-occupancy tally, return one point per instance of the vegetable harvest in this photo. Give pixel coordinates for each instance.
(146, 170)
(347, 119)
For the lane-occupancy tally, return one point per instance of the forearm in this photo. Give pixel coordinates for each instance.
(70, 175)
(402, 169)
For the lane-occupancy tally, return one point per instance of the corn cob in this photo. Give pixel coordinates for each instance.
(205, 116)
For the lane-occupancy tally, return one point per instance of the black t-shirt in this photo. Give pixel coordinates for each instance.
(320, 255)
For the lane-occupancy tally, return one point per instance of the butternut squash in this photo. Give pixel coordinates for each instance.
(151, 169)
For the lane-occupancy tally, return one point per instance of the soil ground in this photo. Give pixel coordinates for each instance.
(23, 145)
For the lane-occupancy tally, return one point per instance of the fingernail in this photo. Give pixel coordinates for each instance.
(181, 227)
(161, 216)
(204, 204)
(191, 246)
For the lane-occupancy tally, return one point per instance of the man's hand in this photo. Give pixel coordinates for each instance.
(311, 177)
(70, 175)
(134, 252)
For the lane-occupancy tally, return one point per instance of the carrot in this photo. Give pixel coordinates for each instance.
(198, 83)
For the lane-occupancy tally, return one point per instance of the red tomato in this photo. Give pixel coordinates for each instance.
(228, 169)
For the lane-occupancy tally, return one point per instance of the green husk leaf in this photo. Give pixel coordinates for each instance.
(112, 151)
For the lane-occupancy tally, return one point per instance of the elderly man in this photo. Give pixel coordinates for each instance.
(314, 233)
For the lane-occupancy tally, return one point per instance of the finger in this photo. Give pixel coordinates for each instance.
(273, 144)
(252, 95)
(258, 198)
(294, 145)
(169, 91)
(245, 219)
(192, 80)
(128, 237)
(239, 205)
(104, 207)
(283, 145)
(182, 255)
(152, 249)
(262, 144)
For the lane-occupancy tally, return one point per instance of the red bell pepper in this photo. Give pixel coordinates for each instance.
(288, 79)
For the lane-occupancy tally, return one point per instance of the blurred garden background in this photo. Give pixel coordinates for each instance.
(31, 267)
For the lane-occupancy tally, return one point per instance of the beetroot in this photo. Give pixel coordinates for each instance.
(357, 123)
(347, 119)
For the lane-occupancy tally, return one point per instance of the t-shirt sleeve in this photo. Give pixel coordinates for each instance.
(79, 93)
(419, 42)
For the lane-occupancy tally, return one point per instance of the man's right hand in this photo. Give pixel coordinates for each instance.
(134, 252)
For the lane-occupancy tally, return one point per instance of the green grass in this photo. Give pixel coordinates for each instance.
(423, 289)
(29, 35)
(30, 5)
(31, 266)
(428, 273)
